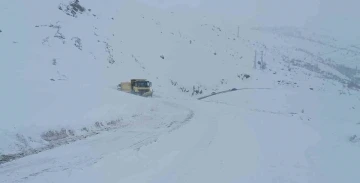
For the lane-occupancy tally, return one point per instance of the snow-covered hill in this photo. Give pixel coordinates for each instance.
(62, 60)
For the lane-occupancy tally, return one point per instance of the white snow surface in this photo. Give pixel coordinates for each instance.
(296, 120)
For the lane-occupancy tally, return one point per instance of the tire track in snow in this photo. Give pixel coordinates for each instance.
(174, 125)
(196, 149)
(177, 124)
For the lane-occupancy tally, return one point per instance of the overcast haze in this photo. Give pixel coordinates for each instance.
(335, 17)
(274, 104)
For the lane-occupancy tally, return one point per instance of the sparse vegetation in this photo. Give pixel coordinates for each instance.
(183, 89)
(243, 76)
(196, 90)
(53, 135)
(288, 83)
(353, 85)
(72, 9)
(57, 138)
(71, 132)
(58, 34)
(354, 139)
(45, 40)
(77, 42)
(85, 129)
(114, 122)
(6, 158)
(174, 83)
(98, 124)
(54, 62)
(223, 81)
(109, 50)
(315, 68)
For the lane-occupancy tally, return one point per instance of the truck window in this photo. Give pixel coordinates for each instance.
(143, 84)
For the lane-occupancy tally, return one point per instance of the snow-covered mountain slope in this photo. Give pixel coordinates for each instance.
(303, 134)
(62, 61)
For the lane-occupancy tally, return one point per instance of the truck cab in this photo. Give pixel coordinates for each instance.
(141, 87)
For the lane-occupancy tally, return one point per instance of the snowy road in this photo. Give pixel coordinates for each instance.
(219, 143)
(86, 152)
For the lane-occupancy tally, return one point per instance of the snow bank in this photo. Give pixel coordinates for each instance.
(77, 112)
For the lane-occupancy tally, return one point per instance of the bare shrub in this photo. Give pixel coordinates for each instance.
(76, 6)
(85, 129)
(196, 91)
(223, 81)
(183, 89)
(71, 132)
(113, 122)
(354, 139)
(53, 135)
(109, 50)
(243, 76)
(353, 85)
(54, 62)
(72, 9)
(6, 158)
(98, 124)
(174, 83)
(77, 43)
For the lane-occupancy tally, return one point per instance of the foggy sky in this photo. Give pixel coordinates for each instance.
(339, 18)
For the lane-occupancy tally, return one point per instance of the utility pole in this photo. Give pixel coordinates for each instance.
(255, 60)
(262, 61)
(238, 31)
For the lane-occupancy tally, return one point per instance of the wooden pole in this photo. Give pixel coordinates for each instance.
(238, 31)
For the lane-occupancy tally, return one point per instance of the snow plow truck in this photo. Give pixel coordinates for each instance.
(140, 87)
